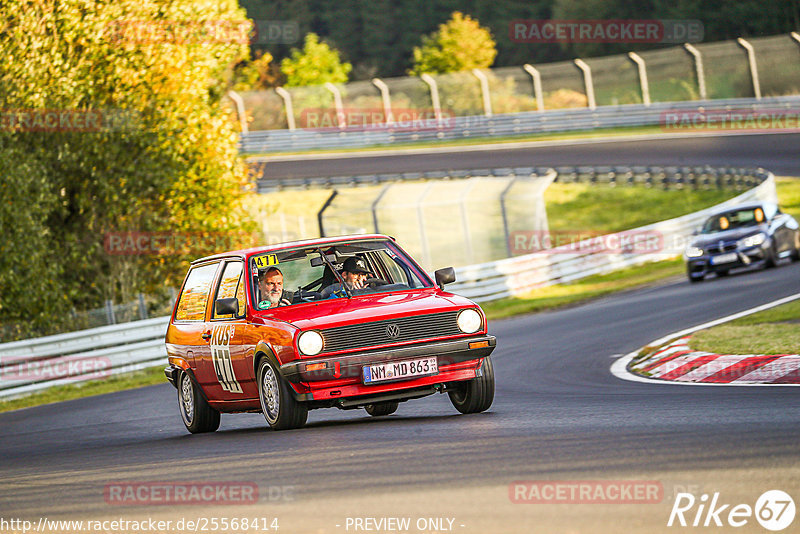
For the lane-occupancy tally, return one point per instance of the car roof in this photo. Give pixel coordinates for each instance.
(244, 253)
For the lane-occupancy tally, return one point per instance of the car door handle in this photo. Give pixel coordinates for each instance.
(206, 335)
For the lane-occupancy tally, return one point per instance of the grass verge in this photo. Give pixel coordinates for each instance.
(145, 377)
(774, 331)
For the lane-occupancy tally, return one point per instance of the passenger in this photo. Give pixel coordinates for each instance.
(270, 286)
(354, 273)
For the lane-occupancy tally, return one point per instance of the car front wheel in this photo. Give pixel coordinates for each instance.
(476, 395)
(196, 413)
(280, 408)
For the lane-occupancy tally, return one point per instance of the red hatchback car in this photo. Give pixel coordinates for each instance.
(347, 322)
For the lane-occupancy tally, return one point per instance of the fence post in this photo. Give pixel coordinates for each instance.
(465, 218)
(287, 104)
(587, 80)
(487, 97)
(142, 308)
(374, 206)
(386, 98)
(698, 67)
(337, 102)
(506, 232)
(322, 210)
(426, 252)
(237, 100)
(437, 108)
(110, 317)
(537, 85)
(751, 58)
(642, 76)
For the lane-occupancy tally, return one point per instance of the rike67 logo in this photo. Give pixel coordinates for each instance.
(774, 510)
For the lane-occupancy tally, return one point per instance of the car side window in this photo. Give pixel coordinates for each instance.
(193, 299)
(231, 285)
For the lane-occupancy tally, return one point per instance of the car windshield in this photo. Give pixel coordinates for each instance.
(734, 219)
(295, 276)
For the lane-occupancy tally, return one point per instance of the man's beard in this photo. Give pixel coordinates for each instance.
(274, 297)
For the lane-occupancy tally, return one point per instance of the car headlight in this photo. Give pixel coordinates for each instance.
(693, 252)
(310, 343)
(752, 241)
(469, 321)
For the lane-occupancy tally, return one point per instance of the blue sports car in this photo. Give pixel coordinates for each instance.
(741, 236)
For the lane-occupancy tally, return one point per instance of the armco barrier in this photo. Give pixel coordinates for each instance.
(530, 122)
(34, 364)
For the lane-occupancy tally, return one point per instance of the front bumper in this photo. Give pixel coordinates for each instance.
(350, 365)
(707, 263)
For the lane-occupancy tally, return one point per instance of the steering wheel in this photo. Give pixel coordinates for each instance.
(375, 282)
(305, 296)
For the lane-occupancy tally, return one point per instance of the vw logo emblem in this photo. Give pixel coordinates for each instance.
(392, 330)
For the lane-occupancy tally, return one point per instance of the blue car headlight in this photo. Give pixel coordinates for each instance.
(752, 241)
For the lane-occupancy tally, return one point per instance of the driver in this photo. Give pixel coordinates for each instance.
(354, 273)
(270, 286)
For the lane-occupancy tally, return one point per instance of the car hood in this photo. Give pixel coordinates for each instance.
(342, 311)
(728, 235)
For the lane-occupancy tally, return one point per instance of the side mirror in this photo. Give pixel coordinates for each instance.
(229, 306)
(445, 276)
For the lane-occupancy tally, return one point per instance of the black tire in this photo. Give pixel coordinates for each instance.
(772, 259)
(476, 395)
(722, 274)
(196, 413)
(382, 408)
(695, 279)
(279, 406)
(795, 254)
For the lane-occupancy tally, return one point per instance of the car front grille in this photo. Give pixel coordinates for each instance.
(388, 331)
(719, 248)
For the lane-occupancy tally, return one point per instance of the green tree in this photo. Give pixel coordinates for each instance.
(161, 156)
(316, 64)
(460, 44)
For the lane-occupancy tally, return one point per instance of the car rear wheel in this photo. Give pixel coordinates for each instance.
(476, 395)
(381, 408)
(196, 413)
(280, 408)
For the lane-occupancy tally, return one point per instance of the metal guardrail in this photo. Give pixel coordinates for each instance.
(669, 177)
(511, 124)
(517, 276)
(34, 364)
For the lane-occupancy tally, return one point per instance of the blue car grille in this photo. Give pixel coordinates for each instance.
(388, 331)
(719, 248)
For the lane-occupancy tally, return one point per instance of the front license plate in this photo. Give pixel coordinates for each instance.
(383, 372)
(724, 258)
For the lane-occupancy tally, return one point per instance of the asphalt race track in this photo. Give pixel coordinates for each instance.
(776, 152)
(559, 416)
